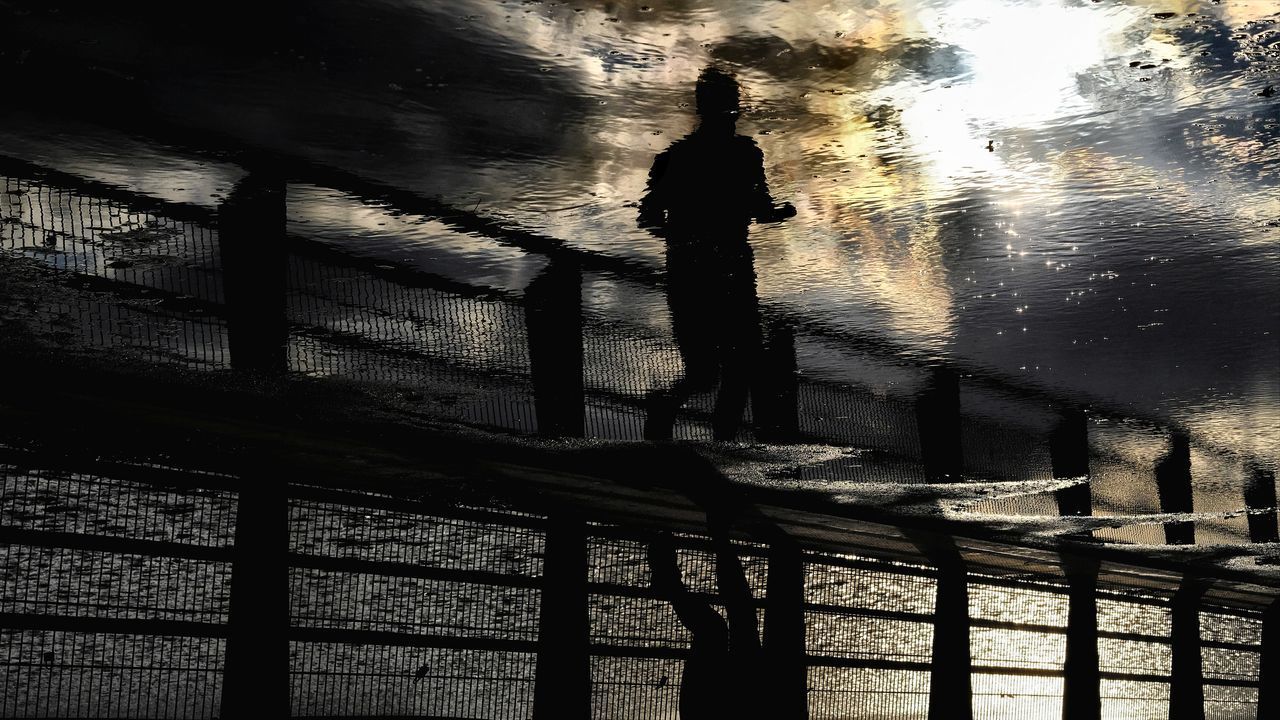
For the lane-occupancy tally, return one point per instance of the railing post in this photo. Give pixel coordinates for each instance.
(951, 666)
(1186, 677)
(1173, 484)
(784, 631)
(1269, 664)
(251, 241)
(1260, 499)
(1069, 453)
(938, 421)
(553, 316)
(256, 672)
(562, 681)
(1081, 689)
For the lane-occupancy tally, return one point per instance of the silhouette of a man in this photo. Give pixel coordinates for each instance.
(704, 191)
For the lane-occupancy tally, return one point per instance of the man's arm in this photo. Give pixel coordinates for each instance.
(654, 204)
(763, 207)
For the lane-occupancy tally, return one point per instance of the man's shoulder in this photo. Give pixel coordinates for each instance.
(681, 146)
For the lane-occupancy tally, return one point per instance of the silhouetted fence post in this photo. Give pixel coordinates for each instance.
(775, 396)
(1081, 689)
(1186, 676)
(562, 682)
(1260, 499)
(1173, 483)
(784, 632)
(553, 316)
(251, 242)
(951, 667)
(1269, 664)
(938, 420)
(1069, 454)
(256, 674)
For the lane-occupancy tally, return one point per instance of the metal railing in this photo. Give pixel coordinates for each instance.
(117, 598)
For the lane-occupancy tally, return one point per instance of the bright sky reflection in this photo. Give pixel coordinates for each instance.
(1047, 188)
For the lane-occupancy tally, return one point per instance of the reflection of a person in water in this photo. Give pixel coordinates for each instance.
(726, 658)
(704, 191)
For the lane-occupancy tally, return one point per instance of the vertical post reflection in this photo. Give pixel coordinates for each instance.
(256, 671)
(1081, 690)
(1260, 499)
(1173, 483)
(562, 680)
(784, 634)
(950, 681)
(553, 316)
(938, 421)
(1069, 453)
(1269, 664)
(1186, 679)
(251, 242)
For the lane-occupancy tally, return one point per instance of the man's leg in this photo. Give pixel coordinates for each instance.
(701, 683)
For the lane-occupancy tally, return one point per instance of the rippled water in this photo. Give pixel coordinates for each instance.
(1084, 194)
(1119, 239)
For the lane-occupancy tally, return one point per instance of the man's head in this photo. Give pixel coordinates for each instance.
(717, 96)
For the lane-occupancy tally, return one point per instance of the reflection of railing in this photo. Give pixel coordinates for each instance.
(471, 353)
(465, 349)
(152, 279)
(119, 604)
